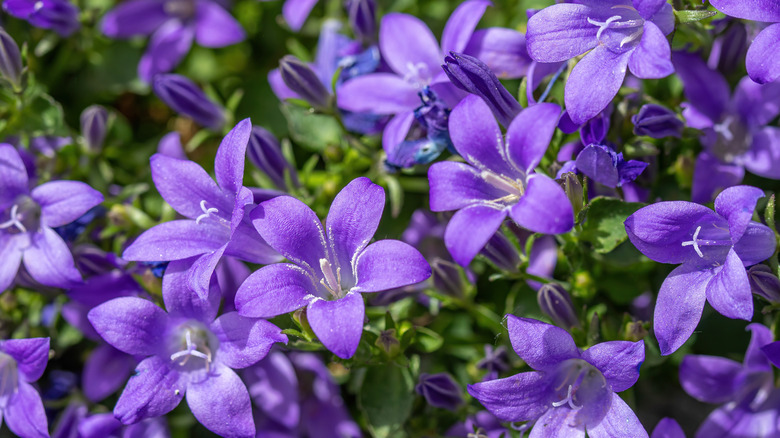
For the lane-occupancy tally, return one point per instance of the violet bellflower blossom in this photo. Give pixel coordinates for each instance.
(27, 220)
(621, 33)
(330, 266)
(570, 391)
(62, 16)
(498, 178)
(744, 390)
(188, 351)
(216, 223)
(173, 26)
(22, 362)
(712, 248)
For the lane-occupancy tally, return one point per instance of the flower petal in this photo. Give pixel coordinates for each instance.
(221, 402)
(31, 356)
(679, 306)
(153, 390)
(246, 244)
(651, 59)
(755, 359)
(477, 137)
(729, 290)
(338, 324)
(273, 387)
(756, 245)
(456, 185)
(274, 290)
(244, 341)
(558, 423)
(529, 134)
(229, 162)
(130, 324)
(542, 346)
(619, 361)
(763, 158)
(648, 8)
(176, 240)
(215, 27)
(62, 202)
(461, 25)
(405, 41)
(594, 82)
(24, 413)
(11, 255)
(13, 175)
(521, 397)
(710, 175)
(179, 298)
(737, 204)
(470, 229)
(49, 261)
(544, 208)
(668, 428)
(710, 379)
(706, 89)
(503, 50)
(105, 371)
(295, 12)
(560, 32)
(620, 421)
(757, 104)
(378, 93)
(389, 264)
(185, 185)
(167, 47)
(138, 17)
(756, 10)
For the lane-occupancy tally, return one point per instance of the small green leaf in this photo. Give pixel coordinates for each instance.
(428, 340)
(603, 226)
(386, 399)
(313, 131)
(691, 16)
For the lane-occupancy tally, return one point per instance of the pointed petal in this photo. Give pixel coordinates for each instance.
(273, 387)
(395, 132)
(456, 185)
(560, 32)
(755, 359)
(130, 324)
(710, 379)
(477, 137)
(756, 10)
(461, 25)
(594, 82)
(558, 423)
(176, 240)
(757, 104)
(652, 58)
(31, 356)
(405, 41)
(167, 47)
(648, 8)
(62, 202)
(529, 134)
(295, 12)
(13, 175)
(170, 146)
(215, 27)
(470, 229)
(619, 422)
(542, 346)
(139, 17)
(200, 274)
(706, 89)
(25, 415)
(756, 245)
(244, 341)
(668, 428)
(11, 255)
(737, 204)
(153, 390)
(49, 261)
(185, 185)
(389, 264)
(180, 299)
(710, 175)
(679, 306)
(338, 324)
(229, 162)
(521, 397)
(105, 371)
(619, 361)
(274, 290)
(729, 290)
(503, 50)
(247, 245)
(221, 402)
(763, 158)
(378, 93)
(544, 208)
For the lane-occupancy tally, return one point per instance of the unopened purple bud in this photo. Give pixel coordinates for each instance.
(440, 390)
(362, 19)
(595, 130)
(573, 188)
(764, 283)
(556, 303)
(266, 154)
(502, 253)
(470, 74)
(728, 50)
(657, 122)
(447, 278)
(94, 125)
(10, 59)
(302, 79)
(184, 97)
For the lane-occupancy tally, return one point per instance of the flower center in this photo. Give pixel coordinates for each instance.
(621, 31)
(732, 139)
(211, 213)
(515, 189)
(23, 216)
(577, 382)
(9, 376)
(331, 281)
(193, 340)
(417, 74)
(697, 243)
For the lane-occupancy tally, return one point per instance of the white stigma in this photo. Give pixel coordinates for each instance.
(603, 26)
(192, 350)
(14, 220)
(724, 130)
(568, 400)
(206, 212)
(695, 242)
(417, 74)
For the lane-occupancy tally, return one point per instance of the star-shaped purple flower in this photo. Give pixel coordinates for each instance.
(62, 16)
(189, 351)
(712, 248)
(498, 178)
(330, 266)
(27, 219)
(216, 223)
(22, 362)
(570, 391)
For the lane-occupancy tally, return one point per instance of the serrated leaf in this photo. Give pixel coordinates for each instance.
(603, 226)
(386, 399)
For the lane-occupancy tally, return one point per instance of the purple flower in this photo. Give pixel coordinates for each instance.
(622, 33)
(184, 97)
(172, 25)
(10, 59)
(495, 361)
(605, 166)
(764, 283)
(570, 391)
(94, 126)
(657, 121)
(331, 266)
(216, 223)
(106, 425)
(667, 428)
(265, 153)
(745, 390)
(483, 424)
(498, 178)
(734, 127)
(188, 351)
(440, 390)
(27, 221)
(22, 362)
(59, 15)
(713, 249)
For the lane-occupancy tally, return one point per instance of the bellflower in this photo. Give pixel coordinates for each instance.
(498, 178)
(745, 390)
(22, 362)
(483, 424)
(570, 391)
(440, 390)
(621, 33)
(188, 351)
(27, 221)
(216, 224)
(735, 131)
(173, 26)
(106, 425)
(712, 248)
(330, 266)
(657, 121)
(62, 16)
(605, 166)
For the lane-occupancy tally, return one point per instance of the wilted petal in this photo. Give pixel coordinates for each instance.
(130, 324)
(105, 371)
(152, 391)
(244, 341)
(620, 421)
(618, 361)
(544, 208)
(652, 57)
(48, 260)
(274, 290)
(461, 25)
(736, 204)
(389, 264)
(456, 185)
(138, 17)
(24, 413)
(542, 346)
(763, 158)
(176, 240)
(529, 134)
(594, 81)
(522, 397)
(338, 324)
(710, 379)
(378, 93)
(679, 306)
(470, 229)
(215, 27)
(62, 202)
(560, 32)
(406, 41)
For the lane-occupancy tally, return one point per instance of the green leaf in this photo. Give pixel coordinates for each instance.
(691, 16)
(386, 398)
(428, 340)
(313, 131)
(603, 226)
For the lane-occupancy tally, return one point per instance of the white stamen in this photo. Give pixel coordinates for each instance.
(633, 37)
(695, 242)
(603, 26)
(206, 212)
(568, 400)
(331, 282)
(192, 350)
(724, 130)
(14, 221)
(502, 183)
(417, 74)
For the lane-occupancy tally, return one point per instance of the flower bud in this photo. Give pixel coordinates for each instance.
(595, 130)
(447, 278)
(184, 97)
(556, 303)
(362, 19)
(10, 59)
(440, 390)
(657, 122)
(764, 283)
(265, 153)
(94, 124)
(502, 253)
(728, 50)
(572, 186)
(304, 82)
(472, 75)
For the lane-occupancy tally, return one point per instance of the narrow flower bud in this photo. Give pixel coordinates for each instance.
(657, 122)
(556, 303)
(302, 79)
(573, 188)
(440, 390)
(94, 124)
(362, 19)
(265, 153)
(764, 283)
(472, 75)
(184, 97)
(10, 59)
(502, 253)
(447, 278)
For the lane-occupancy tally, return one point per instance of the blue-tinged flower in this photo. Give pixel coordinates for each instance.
(331, 267)
(184, 97)
(570, 391)
(744, 390)
(712, 248)
(22, 362)
(173, 26)
(623, 34)
(27, 221)
(216, 223)
(362, 19)
(189, 351)
(59, 15)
